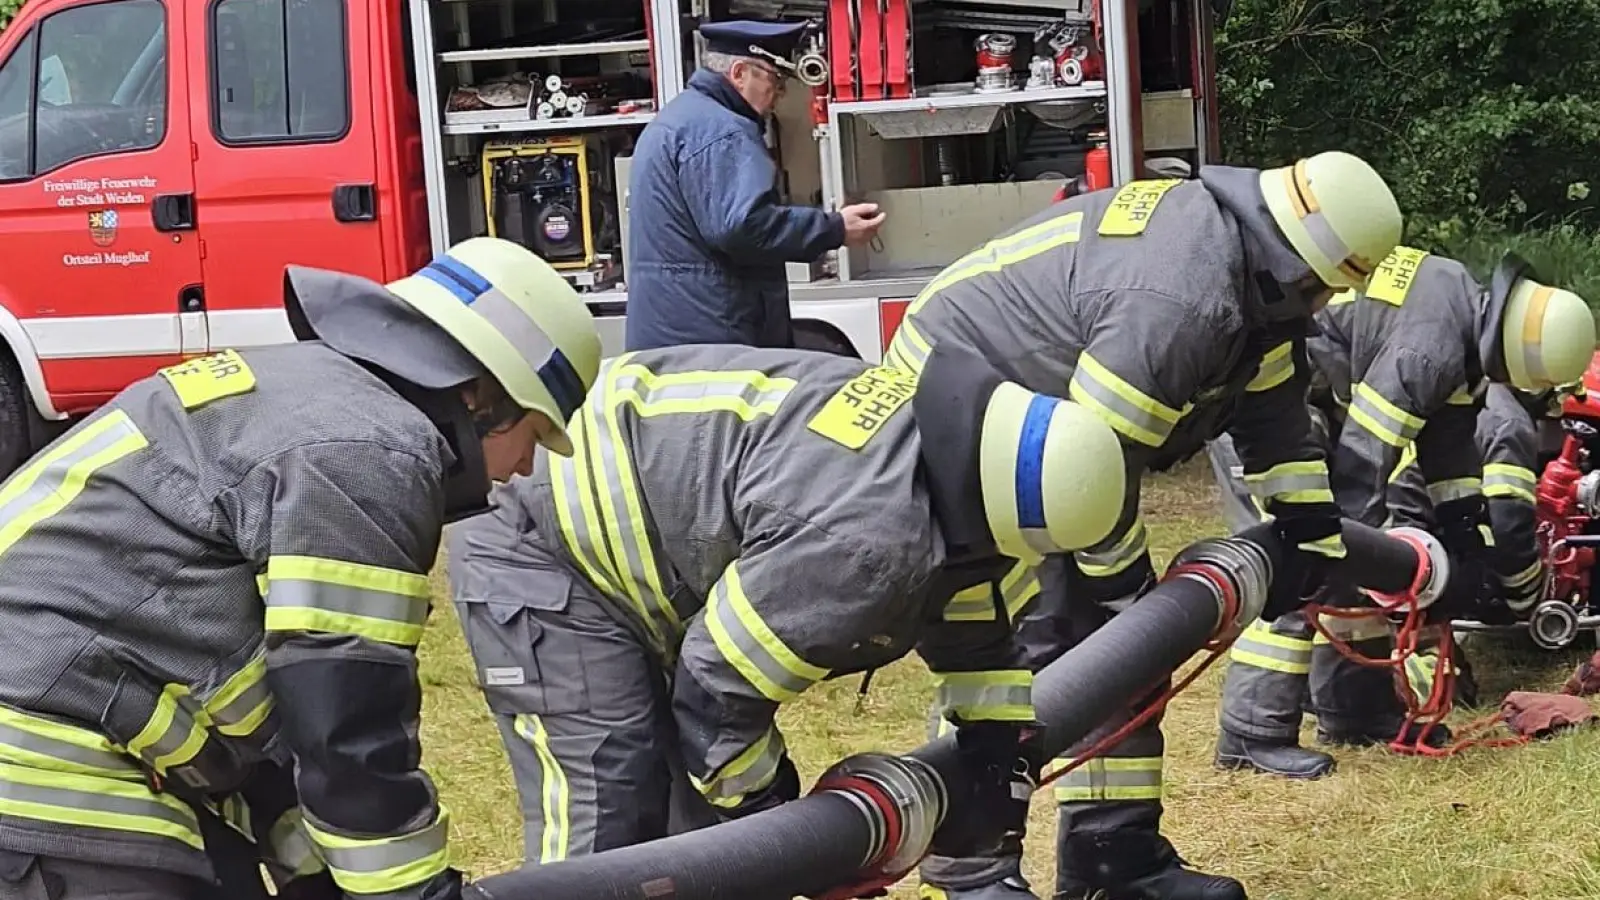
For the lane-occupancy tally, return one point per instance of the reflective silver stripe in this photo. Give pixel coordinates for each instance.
(1454, 489)
(295, 593)
(1262, 648)
(377, 856)
(1525, 577)
(41, 480)
(1124, 553)
(907, 346)
(752, 647)
(1096, 387)
(291, 844)
(94, 761)
(1358, 628)
(1289, 478)
(1326, 239)
(1111, 778)
(519, 330)
(986, 695)
(1276, 367)
(67, 798)
(976, 603)
(1394, 426)
(747, 393)
(1002, 251)
(1506, 480)
(230, 717)
(749, 772)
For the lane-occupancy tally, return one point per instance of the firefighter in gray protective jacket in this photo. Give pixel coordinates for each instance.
(214, 586)
(739, 524)
(1422, 343)
(1157, 305)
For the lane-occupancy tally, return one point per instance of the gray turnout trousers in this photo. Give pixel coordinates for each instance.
(580, 700)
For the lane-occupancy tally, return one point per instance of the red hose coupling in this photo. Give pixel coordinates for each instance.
(1433, 572)
(903, 800)
(1236, 572)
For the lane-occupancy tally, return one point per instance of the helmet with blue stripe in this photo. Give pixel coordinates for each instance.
(1052, 474)
(518, 317)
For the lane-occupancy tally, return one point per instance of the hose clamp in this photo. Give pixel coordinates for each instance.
(1233, 569)
(1430, 554)
(904, 800)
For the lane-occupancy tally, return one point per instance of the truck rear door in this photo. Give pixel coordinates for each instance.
(286, 166)
(95, 194)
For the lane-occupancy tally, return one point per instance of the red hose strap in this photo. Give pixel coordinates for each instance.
(885, 805)
(1224, 587)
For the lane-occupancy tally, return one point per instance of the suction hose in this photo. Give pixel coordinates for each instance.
(876, 812)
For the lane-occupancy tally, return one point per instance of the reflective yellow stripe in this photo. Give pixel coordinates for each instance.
(1331, 546)
(992, 696)
(1385, 421)
(310, 593)
(55, 478)
(382, 865)
(1129, 549)
(1277, 366)
(1108, 778)
(976, 603)
(243, 702)
(751, 647)
(1258, 646)
(909, 350)
(555, 793)
(1135, 415)
(1362, 628)
(1292, 482)
(1454, 489)
(1004, 251)
(1533, 572)
(95, 802)
(746, 773)
(38, 743)
(746, 394)
(1507, 480)
(290, 844)
(1408, 458)
(174, 733)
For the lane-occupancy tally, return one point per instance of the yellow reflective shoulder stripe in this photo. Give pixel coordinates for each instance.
(308, 593)
(384, 865)
(746, 773)
(987, 696)
(95, 802)
(1108, 778)
(1134, 414)
(572, 490)
(1277, 366)
(909, 350)
(1384, 420)
(54, 479)
(1128, 549)
(555, 793)
(1005, 251)
(976, 603)
(751, 647)
(746, 394)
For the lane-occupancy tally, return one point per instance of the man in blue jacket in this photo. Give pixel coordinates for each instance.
(708, 237)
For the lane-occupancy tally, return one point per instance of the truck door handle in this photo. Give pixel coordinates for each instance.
(173, 212)
(355, 203)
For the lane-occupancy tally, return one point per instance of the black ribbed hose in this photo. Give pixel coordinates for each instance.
(820, 842)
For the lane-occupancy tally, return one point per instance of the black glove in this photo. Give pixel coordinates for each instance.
(1303, 572)
(988, 815)
(785, 786)
(1473, 589)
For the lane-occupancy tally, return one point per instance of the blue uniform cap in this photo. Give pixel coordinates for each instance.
(736, 37)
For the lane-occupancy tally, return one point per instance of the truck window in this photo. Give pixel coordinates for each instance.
(279, 71)
(101, 82)
(16, 126)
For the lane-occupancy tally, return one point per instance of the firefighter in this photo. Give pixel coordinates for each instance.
(1156, 305)
(738, 524)
(709, 237)
(215, 584)
(1422, 345)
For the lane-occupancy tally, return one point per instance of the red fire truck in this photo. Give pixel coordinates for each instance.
(162, 160)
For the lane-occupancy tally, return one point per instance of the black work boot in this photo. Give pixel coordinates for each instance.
(1380, 733)
(1012, 888)
(1133, 864)
(1286, 760)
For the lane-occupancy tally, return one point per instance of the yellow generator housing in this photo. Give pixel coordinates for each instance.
(538, 192)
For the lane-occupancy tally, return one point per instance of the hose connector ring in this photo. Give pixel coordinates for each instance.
(1232, 566)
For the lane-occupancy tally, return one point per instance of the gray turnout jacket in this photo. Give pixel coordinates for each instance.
(1157, 306)
(223, 572)
(760, 516)
(1409, 372)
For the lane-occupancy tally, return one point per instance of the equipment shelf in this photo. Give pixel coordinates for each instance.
(524, 125)
(544, 51)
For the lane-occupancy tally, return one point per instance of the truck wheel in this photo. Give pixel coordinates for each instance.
(823, 340)
(16, 441)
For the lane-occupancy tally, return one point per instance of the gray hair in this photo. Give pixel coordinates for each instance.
(721, 63)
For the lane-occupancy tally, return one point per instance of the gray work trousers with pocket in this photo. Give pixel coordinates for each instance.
(581, 700)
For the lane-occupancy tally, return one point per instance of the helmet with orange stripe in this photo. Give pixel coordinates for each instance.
(1338, 214)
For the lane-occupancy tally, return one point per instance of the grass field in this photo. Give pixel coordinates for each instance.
(1492, 824)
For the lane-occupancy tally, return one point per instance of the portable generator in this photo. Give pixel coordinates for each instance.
(538, 192)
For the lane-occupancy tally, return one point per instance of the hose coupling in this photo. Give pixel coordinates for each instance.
(812, 69)
(903, 799)
(1236, 571)
(1431, 556)
(1553, 625)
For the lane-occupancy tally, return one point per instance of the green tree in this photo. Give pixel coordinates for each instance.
(8, 11)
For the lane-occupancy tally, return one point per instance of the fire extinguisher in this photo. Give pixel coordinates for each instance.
(1097, 162)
